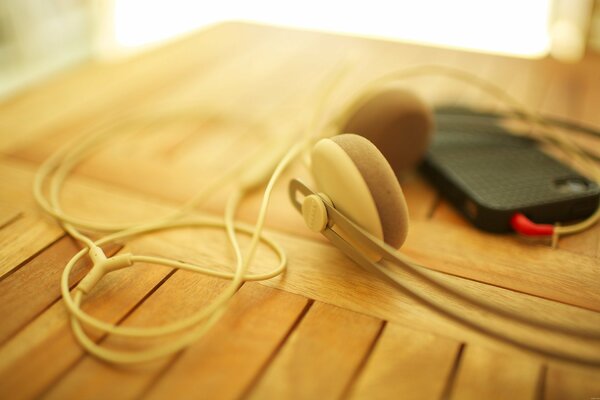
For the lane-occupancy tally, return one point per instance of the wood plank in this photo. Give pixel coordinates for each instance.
(35, 286)
(46, 347)
(406, 364)
(19, 349)
(563, 382)
(34, 231)
(588, 113)
(241, 344)
(498, 257)
(8, 214)
(485, 374)
(31, 232)
(316, 269)
(120, 85)
(181, 294)
(506, 261)
(383, 51)
(175, 183)
(523, 79)
(321, 356)
(479, 274)
(112, 210)
(533, 83)
(319, 272)
(573, 96)
(225, 84)
(564, 97)
(587, 242)
(24, 238)
(343, 284)
(488, 68)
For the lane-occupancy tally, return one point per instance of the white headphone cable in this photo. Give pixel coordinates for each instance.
(58, 167)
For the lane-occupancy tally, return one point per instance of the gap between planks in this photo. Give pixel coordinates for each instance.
(277, 350)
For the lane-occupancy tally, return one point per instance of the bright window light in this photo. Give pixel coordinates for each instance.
(513, 27)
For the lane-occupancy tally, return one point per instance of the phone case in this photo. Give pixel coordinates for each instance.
(489, 175)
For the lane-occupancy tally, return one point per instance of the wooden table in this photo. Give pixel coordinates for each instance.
(326, 329)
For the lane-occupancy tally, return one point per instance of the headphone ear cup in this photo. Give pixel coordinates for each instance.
(383, 185)
(354, 174)
(399, 123)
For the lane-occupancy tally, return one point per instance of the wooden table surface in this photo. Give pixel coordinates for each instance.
(326, 329)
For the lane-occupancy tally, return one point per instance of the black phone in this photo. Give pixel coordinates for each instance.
(489, 174)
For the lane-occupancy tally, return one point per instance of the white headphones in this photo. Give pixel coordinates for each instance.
(357, 204)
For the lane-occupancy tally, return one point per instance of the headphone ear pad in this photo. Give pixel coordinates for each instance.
(382, 183)
(398, 123)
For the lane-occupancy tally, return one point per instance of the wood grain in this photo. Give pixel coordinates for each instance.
(434, 243)
(571, 383)
(341, 283)
(240, 346)
(406, 364)
(320, 357)
(31, 232)
(323, 274)
(315, 332)
(175, 299)
(506, 261)
(8, 214)
(46, 348)
(485, 374)
(523, 277)
(35, 286)
(117, 85)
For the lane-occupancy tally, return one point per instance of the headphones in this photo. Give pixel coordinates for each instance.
(358, 172)
(357, 203)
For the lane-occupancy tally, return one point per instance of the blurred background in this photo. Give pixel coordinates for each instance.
(42, 37)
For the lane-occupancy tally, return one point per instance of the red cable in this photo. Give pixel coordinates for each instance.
(523, 225)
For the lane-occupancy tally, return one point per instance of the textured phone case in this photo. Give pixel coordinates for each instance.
(489, 174)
